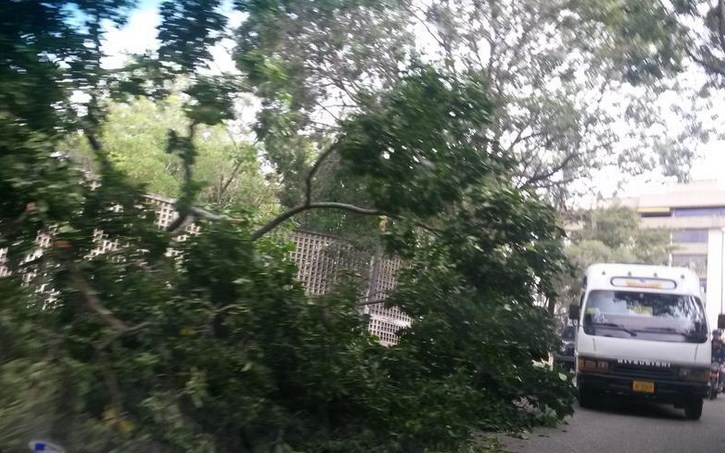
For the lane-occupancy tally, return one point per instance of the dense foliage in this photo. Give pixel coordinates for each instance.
(217, 348)
(134, 136)
(577, 84)
(221, 350)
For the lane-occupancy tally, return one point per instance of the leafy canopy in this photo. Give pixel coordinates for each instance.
(216, 348)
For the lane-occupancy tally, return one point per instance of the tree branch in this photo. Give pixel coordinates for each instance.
(277, 221)
(235, 170)
(532, 119)
(307, 205)
(93, 303)
(115, 336)
(538, 177)
(203, 213)
(315, 167)
(97, 148)
(551, 172)
(412, 10)
(716, 67)
(187, 160)
(721, 23)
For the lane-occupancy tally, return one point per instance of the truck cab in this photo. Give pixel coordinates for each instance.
(642, 332)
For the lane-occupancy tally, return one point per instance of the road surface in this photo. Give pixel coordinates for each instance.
(618, 427)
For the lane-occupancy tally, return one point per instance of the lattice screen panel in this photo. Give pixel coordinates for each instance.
(4, 271)
(385, 322)
(166, 213)
(321, 260)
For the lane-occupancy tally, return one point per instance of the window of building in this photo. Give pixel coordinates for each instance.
(697, 263)
(699, 212)
(654, 214)
(698, 236)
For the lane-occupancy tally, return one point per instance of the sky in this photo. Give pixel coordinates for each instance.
(139, 35)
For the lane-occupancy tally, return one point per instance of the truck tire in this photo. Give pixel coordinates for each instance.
(693, 409)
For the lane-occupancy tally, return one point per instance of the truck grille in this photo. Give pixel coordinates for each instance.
(640, 371)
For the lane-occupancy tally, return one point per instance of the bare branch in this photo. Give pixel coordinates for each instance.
(538, 177)
(315, 167)
(178, 223)
(553, 184)
(533, 118)
(552, 171)
(93, 303)
(413, 10)
(115, 336)
(277, 221)
(93, 141)
(280, 219)
(97, 148)
(715, 66)
(378, 297)
(307, 205)
(198, 212)
(235, 170)
(721, 23)
(183, 218)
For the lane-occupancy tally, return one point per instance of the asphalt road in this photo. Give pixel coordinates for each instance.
(618, 427)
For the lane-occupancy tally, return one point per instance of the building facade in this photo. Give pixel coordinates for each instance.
(695, 216)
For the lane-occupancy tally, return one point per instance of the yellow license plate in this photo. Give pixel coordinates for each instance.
(643, 386)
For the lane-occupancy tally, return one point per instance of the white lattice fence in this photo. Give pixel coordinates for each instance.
(321, 260)
(385, 322)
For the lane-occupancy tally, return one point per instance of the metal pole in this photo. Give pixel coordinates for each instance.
(722, 268)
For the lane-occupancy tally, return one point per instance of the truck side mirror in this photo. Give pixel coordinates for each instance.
(574, 312)
(721, 322)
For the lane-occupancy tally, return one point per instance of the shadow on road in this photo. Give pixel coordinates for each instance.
(638, 409)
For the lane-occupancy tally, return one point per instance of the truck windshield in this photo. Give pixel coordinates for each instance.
(645, 316)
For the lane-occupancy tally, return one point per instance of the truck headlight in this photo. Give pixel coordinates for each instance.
(592, 365)
(695, 374)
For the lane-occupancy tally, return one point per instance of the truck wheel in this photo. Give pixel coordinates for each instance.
(693, 409)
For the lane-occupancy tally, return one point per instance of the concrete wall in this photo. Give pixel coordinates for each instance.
(681, 223)
(690, 249)
(694, 194)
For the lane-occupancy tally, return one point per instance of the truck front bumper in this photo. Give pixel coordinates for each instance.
(665, 391)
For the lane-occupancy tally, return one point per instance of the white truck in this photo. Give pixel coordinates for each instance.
(642, 332)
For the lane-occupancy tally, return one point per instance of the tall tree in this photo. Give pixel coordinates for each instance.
(217, 347)
(570, 97)
(135, 135)
(699, 27)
